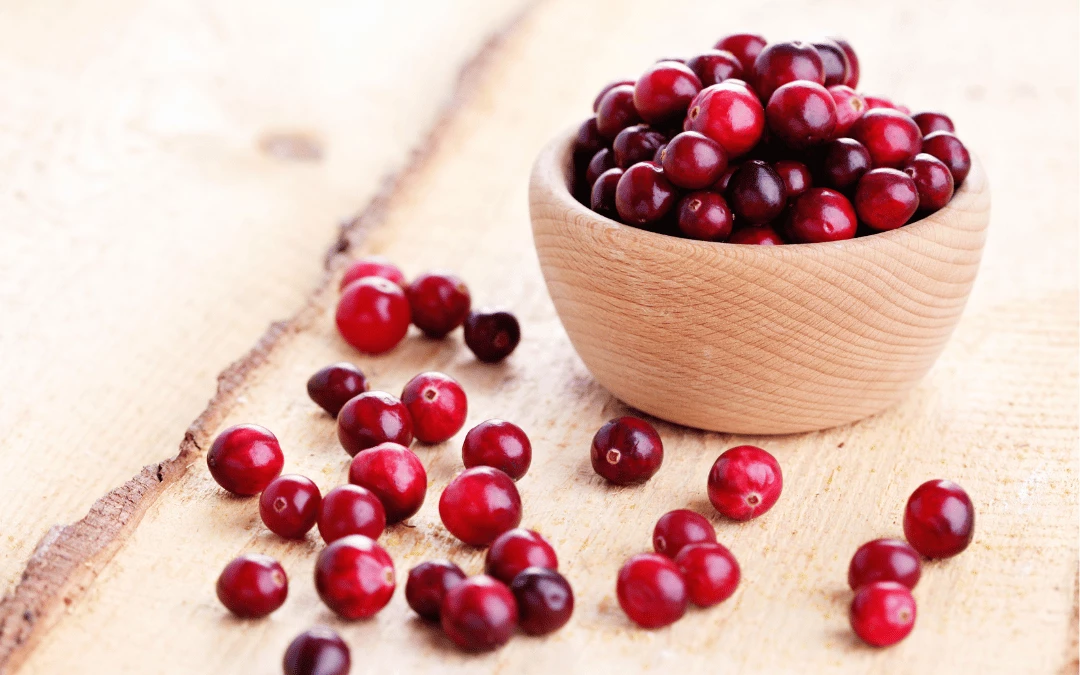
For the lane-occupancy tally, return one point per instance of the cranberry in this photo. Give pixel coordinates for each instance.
(929, 122)
(428, 584)
(332, 386)
(783, 62)
(875, 102)
(885, 199)
(705, 216)
(680, 528)
(730, 114)
(658, 156)
(289, 506)
(663, 92)
(759, 235)
(616, 111)
(252, 586)
(644, 195)
(715, 66)
(544, 598)
(480, 504)
(722, 183)
(371, 418)
(318, 651)
(373, 315)
(892, 137)
(948, 148)
(514, 550)
(500, 445)
(822, 214)
(637, 143)
(439, 302)
(933, 180)
(844, 162)
(608, 87)
(834, 61)
(603, 160)
(693, 161)
(884, 560)
(883, 613)
(711, 572)
(939, 520)
(602, 198)
(437, 405)
(852, 79)
(756, 193)
(351, 509)
(245, 458)
(372, 266)
(651, 590)
(492, 334)
(479, 614)
(627, 450)
(396, 476)
(796, 177)
(745, 482)
(745, 47)
(850, 106)
(354, 577)
(588, 141)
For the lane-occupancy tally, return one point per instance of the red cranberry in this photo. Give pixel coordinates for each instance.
(756, 193)
(439, 302)
(588, 141)
(939, 520)
(354, 577)
(933, 180)
(929, 122)
(876, 102)
(658, 156)
(705, 216)
(627, 450)
(603, 160)
(637, 143)
(544, 598)
(616, 111)
(715, 66)
(437, 405)
(289, 506)
(834, 61)
(252, 586)
(745, 482)
(643, 195)
(796, 177)
(891, 137)
(663, 92)
(396, 476)
(318, 651)
(492, 334)
(680, 528)
(608, 87)
(948, 148)
(351, 509)
(500, 445)
(372, 418)
(730, 114)
(372, 266)
(758, 235)
(693, 161)
(480, 504)
(883, 613)
(822, 214)
(602, 198)
(745, 47)
(651, 590)
(245, 458)
(722, 183)
(844, 162)
(428, 584)
(373, 315)
(885, 199)
(850, 106)
(479, 614)
(332, 386)
(514, 550)
(884, 560)
(711, 572)
(783, 62)
(853, 62)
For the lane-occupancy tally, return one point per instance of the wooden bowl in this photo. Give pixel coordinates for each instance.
(754, 339)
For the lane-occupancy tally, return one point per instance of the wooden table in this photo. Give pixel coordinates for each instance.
(130, 587)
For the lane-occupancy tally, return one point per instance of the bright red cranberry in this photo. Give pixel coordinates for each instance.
(745, 482)
(876, 102)
(608, 87)
(730, 114)
(834, 61)
(514, 550)
(883, 613)
(884, 560)
(745, 47)
(480, 504)
(932, 179)
(663, 92)
(693, 161)
(332, 386)
(289, 506)
(644, 195)
(500, 445)
(351, 509)
(783, 62)
(479, 614)
(757, 235)
(372, 266)
(603, 160)
(756, 193)
(711, 572)
(252, 586)
(492, 334)
(602, 198)
(373, 315)
(929, 122)
(372, 418)
(680, 528)
(627, 450)
(705, 216)
(822, 214)
(544, 598)
(637, 143)
(588, 141)
(439, 302)
(853, 62)
(616, 111)
(396, 476)
(891, 137)
(885, 199)
(844, 162)
(245, 458)
(437, 405)
(354, 577)
(651, 590)
(796, 177)
(428, 584)
(948, 148)
(715, 66)
(318, 651)
(850, 106)
(939, 520)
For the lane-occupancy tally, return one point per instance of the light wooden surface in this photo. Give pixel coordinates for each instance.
(998, 413)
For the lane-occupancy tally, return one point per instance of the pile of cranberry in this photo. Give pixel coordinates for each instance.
(763, 143)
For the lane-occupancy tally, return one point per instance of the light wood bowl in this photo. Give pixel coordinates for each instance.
(755, 339)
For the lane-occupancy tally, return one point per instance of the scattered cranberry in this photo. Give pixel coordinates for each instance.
(853, 62)
(704, 216)
(745, 47)
(245, 458)
(637, 143)
(492, 334)
(693, 161)
(783, 62)
(544, 598)
(396, 476)
(948, 148)
(439, 302)
(850, 106)
(616, 111)
(796, 177)
(756, 235)
(644, 195)
(834, 60)
(514, 550)
(651, 590)
(354, 577)
(891, 137)
(679, 528)
(351, 509)
(730, 114)
(437, 405)
(745, 482)
(844, 162)
(500, 445)
(820, 215)
(627, 450)
(372, 418)
(939, 520)
(428, 584)
(289, 506)
(252, 586)
(711, 572)
(480, 504)
(318, 651)
(715, 66)
(663, 92)
(885, 199)
(372, 266)
(933, 180)
(479, 614)
(603, 160)
(602, 197)
(883, 613)
(608, 87)
(332, 386)
(884, 560)
(756, 193)
(929, 122)
(373, 315)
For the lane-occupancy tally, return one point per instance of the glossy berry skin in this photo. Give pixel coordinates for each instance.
(627, 450)
(602, 197)
(891, 137)
(756, 235)
(331, 387)
(756, 193)
(933, 180)
(544, 598)
(885, 199)
(821, 214)
(439, 302)
(834, 61)
(428, 584)
(514, 550)
(644, 195)
(874, 102)
(850, 106)
(715, 66)
(801, 114)
(437, 405)
(884, 560)
(939, 520)
(651, 590)
(637, 143)
(783, 62)
(351, 509)
(882, 613)
(479, 614)
(252, 586)
(796, 177)
(289, 506)
(745, 47)
(603, 160)
(245, 458)
(492, 334)
(853, 62)
(373, 315)
(372, 418)
(730, 114)
(948, 148)
(664, 91)
(608, 87)
(318, 651)
(680, 528)
(844, 162)
(705, 216)
(745, 482)
(929, 122)
(480, 504)
(616, 111)
(500, 445)
(372, 266)
(396, 476)
(693, 161)
(354, 577)
(587, 141)
(712, 574)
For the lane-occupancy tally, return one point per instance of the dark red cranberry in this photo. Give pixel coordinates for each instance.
(332, 386)
(396, 476)
(354, 577)
(663, 92)
(948, 148)
(372, 418)
(658, 156)
(372, 266)
(373, 315)
(756, 193)
(439, 302)
(711, 572)
(608, 87)
(437, 405)
(637, 143)
(884, 560)
(680, 528)
(318, 651)
(252, 586)
(500, 445)
(853, 62)
(644, 195)
(627, 450)
(745, 482)
(745, 47)
(480, 504)
(428, 584)
(705, 216)
(693, 161)
(796, 177)
(289, 506)
(783, 62)
(544, 598)
(245, 458)
(616, 111)
(602, 198)
(730, 114)
(883, 613)
(929, 122)
(715, 66)
(844, 162)
(651, 590)
(722, 183)
(758, 235)
(834, 60)
(850, 106)
(479, 614)
(939, 520)
(588, 141)
(514, 550)
(492, 334)
(351, 509)
(603, 160)
(885, 199)
(891, 137)
(820, 215)
(932, 179)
